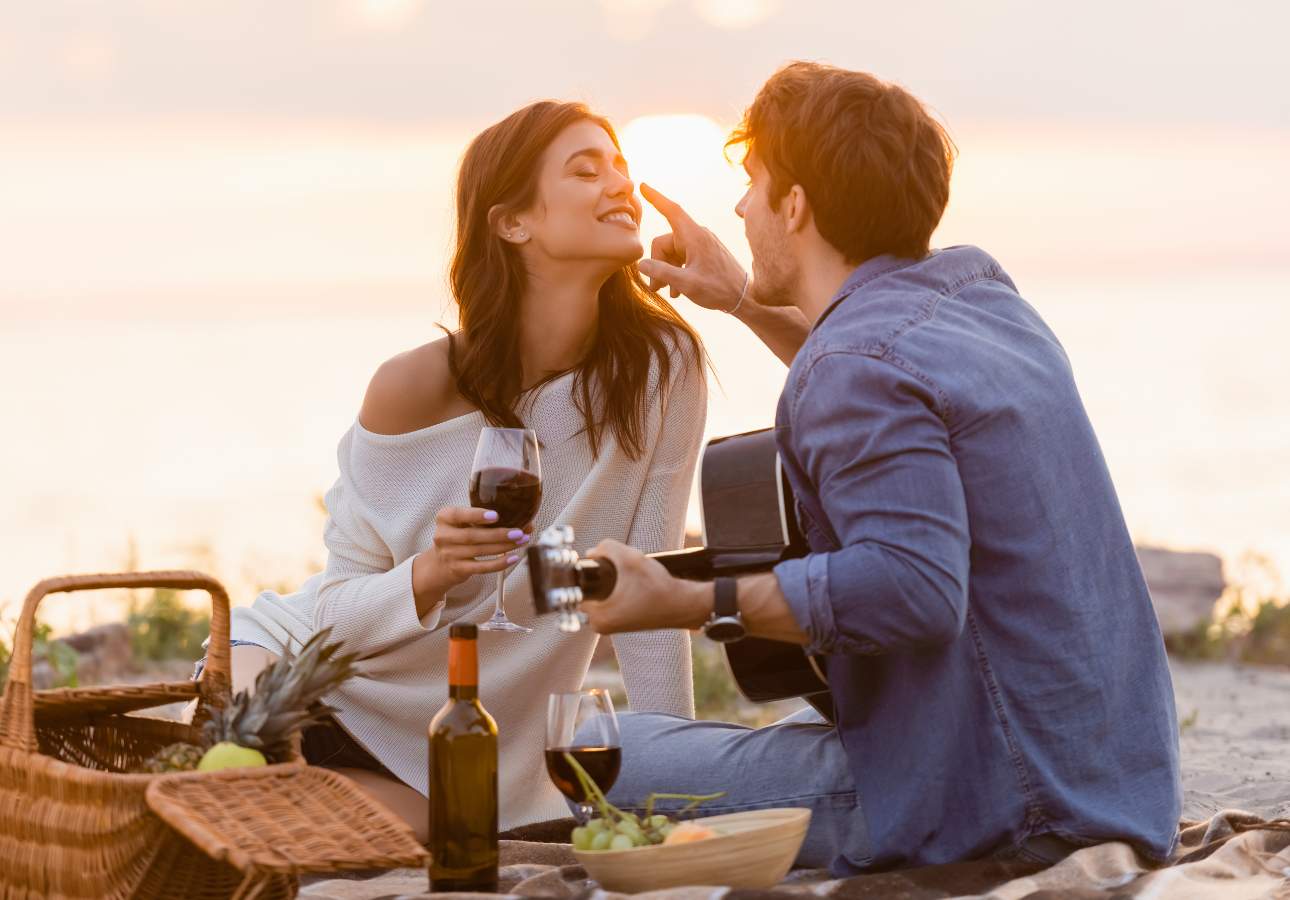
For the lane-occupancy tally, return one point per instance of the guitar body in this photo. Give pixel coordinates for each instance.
(749, 525)
(748, 510)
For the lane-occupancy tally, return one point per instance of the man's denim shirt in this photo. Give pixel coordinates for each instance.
(995, 661)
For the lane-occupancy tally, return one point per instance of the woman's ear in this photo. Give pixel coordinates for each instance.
(507, 225)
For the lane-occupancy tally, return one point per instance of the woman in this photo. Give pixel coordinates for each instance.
(559, 334)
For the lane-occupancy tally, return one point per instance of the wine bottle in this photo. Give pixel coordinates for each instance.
(463, 777)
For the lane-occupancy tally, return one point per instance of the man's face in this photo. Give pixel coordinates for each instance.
(774, 266)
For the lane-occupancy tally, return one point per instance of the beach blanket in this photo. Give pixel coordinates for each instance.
(1232, 856)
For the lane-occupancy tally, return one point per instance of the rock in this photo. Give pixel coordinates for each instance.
(1183, 586)
(43, 675)
(106, 653)
(103, 657)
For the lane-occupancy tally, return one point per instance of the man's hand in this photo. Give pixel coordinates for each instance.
(646, 597)
(691, 260)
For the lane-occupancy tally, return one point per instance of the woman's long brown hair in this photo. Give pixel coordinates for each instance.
(636, 326)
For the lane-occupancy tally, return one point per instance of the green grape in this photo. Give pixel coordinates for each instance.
(621, 842)
(595, 826)
(602, 840)
(658, 821)
(630, 829)
(665, 830)
(581, 838)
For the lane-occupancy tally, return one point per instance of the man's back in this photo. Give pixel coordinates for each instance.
(995, 659)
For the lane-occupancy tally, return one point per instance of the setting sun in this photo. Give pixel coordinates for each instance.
(673, 147)
(683, 156)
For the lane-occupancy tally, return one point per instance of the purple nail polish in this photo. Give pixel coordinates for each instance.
(512, 559)
(515, 534)
(490, 515)
(522, 541)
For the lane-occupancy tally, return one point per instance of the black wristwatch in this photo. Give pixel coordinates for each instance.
(725, 624)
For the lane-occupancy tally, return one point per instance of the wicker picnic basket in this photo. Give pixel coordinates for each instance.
(75, 823)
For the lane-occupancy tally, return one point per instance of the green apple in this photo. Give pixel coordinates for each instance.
(227, 755)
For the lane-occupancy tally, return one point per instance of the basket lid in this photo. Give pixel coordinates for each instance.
(288, 818)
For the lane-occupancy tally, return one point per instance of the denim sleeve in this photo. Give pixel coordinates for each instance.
(868, 437)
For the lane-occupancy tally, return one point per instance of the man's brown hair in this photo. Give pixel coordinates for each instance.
(873, 162)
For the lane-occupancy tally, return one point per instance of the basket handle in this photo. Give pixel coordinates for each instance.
(17, 715)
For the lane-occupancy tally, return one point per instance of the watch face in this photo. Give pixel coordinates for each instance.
(725, 630)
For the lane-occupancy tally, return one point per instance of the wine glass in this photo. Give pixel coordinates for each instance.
(506, 478)
(583, 725)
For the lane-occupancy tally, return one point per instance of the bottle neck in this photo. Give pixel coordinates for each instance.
(463, 669)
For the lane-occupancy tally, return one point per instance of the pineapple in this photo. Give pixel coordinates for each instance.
(178, 757)
(286, 700)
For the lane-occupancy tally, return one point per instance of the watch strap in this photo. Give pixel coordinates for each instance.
(725, 600)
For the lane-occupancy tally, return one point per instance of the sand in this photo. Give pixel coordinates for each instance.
(1235, 738)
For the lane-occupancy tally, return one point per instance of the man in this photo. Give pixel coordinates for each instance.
(1000, 682)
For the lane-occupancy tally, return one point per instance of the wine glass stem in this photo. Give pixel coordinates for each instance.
(500, 611)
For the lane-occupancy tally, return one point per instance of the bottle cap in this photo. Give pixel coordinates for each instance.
(468, 632)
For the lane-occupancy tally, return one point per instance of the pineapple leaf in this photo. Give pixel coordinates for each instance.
(286, 698)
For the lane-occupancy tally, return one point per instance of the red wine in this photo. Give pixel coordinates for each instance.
(513, 494)
(601, 763)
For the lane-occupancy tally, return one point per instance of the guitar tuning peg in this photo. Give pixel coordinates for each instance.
(566, 600)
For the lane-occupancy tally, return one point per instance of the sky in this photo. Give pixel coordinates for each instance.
(414, 62)
(216, 219)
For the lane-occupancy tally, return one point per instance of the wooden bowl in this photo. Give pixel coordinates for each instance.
(754, 850)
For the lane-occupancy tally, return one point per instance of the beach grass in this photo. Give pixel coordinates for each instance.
(1254, 631)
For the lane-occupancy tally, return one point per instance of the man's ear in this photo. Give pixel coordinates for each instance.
(507, 225)
(797, 209)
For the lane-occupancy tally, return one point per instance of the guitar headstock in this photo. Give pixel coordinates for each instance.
(554, 577)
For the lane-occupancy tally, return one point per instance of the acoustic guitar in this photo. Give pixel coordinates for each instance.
(749, 525)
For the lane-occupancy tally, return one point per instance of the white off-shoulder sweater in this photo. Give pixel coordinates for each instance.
(382, 514)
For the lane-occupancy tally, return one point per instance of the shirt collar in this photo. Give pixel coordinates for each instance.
(864, 273)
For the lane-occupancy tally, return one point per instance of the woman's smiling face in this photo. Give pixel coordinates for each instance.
(586, 207)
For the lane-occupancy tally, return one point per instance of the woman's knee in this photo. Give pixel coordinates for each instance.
(248, 662)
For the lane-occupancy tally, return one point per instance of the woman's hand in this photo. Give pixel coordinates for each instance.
(462, 534)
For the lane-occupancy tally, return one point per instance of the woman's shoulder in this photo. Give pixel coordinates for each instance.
(685, 359)
(412, 391)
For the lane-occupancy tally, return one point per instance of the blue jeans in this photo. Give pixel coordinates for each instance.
(798, 761)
